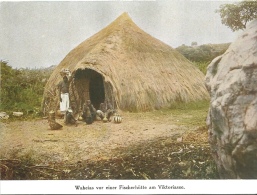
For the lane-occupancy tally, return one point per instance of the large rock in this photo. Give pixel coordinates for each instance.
(232, 120)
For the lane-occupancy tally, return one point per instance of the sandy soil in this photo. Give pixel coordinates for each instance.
(73, 144)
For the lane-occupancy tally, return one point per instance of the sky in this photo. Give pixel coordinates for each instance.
(40, 34)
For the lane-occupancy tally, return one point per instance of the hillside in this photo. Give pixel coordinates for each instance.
(203, 53)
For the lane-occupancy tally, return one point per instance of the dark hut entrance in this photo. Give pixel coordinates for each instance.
(96, 90)
(89, 85)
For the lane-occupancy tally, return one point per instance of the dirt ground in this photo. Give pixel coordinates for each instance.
(72, 144)
(165, 144)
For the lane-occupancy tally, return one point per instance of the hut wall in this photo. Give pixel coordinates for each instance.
(109, 95)
(80, 92)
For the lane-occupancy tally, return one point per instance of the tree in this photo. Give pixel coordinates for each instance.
(194, 43)
(237, 15)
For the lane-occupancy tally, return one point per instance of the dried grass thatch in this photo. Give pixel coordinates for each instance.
(134, 70)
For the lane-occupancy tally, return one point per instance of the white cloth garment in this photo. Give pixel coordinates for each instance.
(65, 103)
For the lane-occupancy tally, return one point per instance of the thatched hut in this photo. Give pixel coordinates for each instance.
(129, 67)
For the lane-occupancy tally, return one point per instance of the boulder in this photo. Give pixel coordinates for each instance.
(231, 81)
(3, 115)
(18, 114)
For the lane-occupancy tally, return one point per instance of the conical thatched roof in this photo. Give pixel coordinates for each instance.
(138, 71)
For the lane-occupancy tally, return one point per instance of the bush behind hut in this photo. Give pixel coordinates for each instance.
(22, 89)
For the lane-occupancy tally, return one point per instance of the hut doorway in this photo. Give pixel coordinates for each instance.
(96, 90)
(90, 86)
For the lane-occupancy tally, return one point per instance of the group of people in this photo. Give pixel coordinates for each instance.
(89, 113)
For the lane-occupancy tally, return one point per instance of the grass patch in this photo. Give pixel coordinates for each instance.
(191, 106)
(202, 66)
(191, 114)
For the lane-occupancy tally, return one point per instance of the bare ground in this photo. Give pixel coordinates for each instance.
(133, 149)
(83, 142)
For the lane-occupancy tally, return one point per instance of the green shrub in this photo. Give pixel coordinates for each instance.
(22, 89)
(202, 66)
(202, 53)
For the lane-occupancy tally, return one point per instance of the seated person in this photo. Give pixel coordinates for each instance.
(69, 118)
(105, 110)
(89, 112)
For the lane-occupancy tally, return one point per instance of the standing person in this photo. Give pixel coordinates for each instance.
(105, 110)
(89, 112)
(63, 89)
